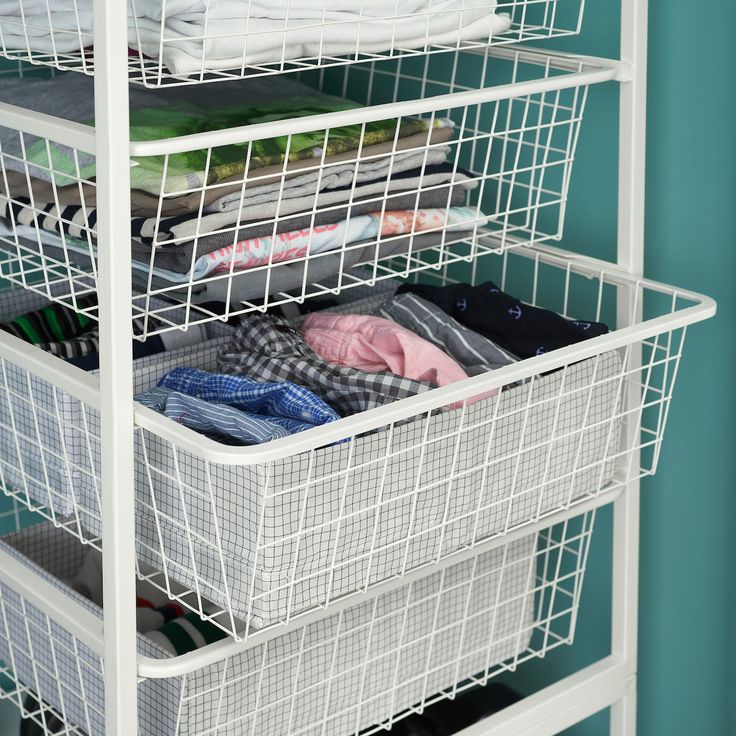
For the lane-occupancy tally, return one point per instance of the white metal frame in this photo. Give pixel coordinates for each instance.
(505, 22)
(559, 86)
(610, 682)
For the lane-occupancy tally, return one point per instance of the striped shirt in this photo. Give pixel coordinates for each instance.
(475, 353)
(268, 398)
(219, 421)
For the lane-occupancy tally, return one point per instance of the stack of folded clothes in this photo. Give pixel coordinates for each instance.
(189, 36)
(276, 379)
(291, 209)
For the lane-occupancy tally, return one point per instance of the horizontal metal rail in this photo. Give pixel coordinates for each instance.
(562, 704)
(85, 387)
(582, 70)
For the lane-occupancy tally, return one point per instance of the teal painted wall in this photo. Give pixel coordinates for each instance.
(687, 685)
(9, 719)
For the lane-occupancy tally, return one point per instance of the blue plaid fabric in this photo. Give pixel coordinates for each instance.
(271, 399)
(222, 422)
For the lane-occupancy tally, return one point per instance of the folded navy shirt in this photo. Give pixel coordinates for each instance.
(522, 329)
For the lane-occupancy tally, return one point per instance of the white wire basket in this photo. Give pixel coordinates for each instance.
(44, 431)
(483, 146)
(187, 43)
(355, 671)
(262, 535)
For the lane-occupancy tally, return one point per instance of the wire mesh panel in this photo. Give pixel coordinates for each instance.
(59, 678)
(420, 164)
(268, 541)
(50, 440)
(262, 534)
(187, 43)
(357, 671)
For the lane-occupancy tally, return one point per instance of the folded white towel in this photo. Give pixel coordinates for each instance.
(189, 48)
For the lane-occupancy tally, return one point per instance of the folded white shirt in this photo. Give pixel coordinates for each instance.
(196, 36)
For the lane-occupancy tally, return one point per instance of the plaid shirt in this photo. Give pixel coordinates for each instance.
(270, 399)
(219, 421)
(270, 349)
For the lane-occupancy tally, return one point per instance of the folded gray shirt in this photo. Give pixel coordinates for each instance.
(475, 353)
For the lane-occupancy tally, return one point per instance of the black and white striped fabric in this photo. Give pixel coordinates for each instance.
(75, 347)
(52, 323)
(435, 183)
(475, 353)
(271, 349)
(76, 221)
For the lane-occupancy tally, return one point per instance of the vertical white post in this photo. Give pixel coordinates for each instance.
(114, 290)
(632, 151)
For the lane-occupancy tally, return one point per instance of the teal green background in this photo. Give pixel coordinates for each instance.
(687, 659)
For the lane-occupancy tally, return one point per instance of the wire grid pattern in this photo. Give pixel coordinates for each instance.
(50, 441)
(171, 48)
(53, 666)
(257, 544)
(287, 231)
(357, 671)
(340, 519)
(42, 715)
(267, 542)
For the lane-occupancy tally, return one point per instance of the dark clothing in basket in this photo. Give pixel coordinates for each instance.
(52, 325)
(448, 717)
(524, 330)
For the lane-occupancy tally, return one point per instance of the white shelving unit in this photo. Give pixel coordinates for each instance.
(380, 520)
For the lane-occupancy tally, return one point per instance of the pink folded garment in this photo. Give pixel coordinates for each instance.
(374, 344)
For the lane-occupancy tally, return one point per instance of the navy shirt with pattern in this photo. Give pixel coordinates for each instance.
(520, 328)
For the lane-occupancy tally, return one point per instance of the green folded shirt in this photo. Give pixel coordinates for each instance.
(195, 169)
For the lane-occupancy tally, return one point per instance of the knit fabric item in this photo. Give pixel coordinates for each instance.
(185, 634)
(52, 324)
(154, 614)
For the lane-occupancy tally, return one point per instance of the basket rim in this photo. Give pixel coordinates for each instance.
(703, 307)
(580, 70)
